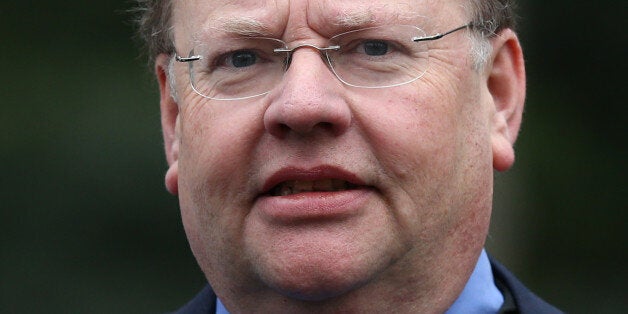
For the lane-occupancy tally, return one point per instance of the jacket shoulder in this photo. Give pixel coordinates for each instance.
(203, 303)
(518, 298)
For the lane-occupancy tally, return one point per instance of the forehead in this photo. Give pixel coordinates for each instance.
(281, 18)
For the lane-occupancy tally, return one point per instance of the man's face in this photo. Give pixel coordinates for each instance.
(318, 189)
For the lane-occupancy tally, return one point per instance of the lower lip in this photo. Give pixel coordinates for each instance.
(312, 205)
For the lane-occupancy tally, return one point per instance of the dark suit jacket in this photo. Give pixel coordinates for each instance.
(517, 298)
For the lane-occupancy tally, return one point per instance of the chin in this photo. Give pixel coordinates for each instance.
(324, 260)
(310, 284)
(316, 275)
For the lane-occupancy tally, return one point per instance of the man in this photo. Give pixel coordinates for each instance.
(338, 156)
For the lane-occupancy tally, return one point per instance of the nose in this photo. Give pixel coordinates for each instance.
(310, 99)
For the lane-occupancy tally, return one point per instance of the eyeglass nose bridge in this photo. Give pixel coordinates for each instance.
(290, 51)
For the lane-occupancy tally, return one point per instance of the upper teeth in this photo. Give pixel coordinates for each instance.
(296, 186)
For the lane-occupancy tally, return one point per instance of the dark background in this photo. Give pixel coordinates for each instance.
(87, 226)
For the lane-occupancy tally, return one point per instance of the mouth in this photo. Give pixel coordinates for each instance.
(294, 194)
(292, 187)
(291, 181)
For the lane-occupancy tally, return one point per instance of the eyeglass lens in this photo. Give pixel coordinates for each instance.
(238, 68)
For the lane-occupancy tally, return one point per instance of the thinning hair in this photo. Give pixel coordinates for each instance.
(154, 25)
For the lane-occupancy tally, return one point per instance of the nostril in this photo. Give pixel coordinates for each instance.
(327, 126)
(281, 129)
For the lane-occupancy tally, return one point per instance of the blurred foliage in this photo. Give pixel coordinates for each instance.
(87, 226)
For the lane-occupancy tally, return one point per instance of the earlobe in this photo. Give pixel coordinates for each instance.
(169, 121)
(172, 178)
(507, 86)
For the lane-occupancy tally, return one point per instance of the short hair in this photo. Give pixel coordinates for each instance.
(153, 20)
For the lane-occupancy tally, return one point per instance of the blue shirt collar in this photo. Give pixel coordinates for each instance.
(220, 308)
(480, 295)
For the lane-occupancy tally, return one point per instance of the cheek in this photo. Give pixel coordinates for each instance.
(413, 137)
(214, 166)
(216, 143)
(433, 145)
(409, 130)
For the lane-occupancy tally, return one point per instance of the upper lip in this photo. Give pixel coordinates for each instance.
(310, 174)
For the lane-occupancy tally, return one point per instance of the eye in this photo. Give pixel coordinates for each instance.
(240, 59)
(374, 47)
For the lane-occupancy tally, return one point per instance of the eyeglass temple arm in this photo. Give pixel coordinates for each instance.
(188, 59)
(439, 36)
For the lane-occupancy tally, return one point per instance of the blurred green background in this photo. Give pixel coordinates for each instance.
(87, 226)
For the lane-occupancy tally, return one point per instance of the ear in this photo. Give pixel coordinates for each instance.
(506, 81)
(169, 122)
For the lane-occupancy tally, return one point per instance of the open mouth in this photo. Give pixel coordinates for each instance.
(292, 187)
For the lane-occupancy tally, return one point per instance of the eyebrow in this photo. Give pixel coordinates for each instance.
(243, 26)
(354, 19)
